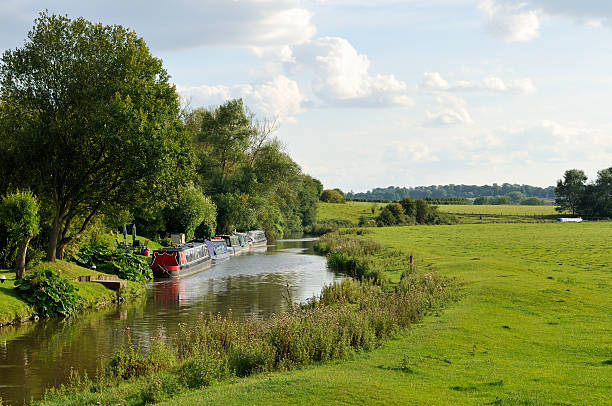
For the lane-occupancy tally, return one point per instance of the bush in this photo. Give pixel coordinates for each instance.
(533, 201)
(49, 293)
(125, 265)
(201, 370)
(481, 200)
(332, 196)
(391, 214)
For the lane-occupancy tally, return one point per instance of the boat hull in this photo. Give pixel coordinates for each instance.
(183, 270)
(221, 257)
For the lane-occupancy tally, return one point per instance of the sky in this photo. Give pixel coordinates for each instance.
(372, 93)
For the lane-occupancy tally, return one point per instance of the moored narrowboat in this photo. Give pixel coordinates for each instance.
(233, 244)
(217, 248)
(243, 240)
(181, 260)
(258, 238)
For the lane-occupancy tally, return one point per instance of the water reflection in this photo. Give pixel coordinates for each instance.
(38, 355)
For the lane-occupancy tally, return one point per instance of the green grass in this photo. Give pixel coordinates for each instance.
(502, 209)
(12, 307)
(350, 211)
(533, 327)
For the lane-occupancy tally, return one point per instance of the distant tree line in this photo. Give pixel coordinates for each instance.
(394, 193)
(588, 199)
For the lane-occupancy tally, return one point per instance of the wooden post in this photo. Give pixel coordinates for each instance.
(411, 262)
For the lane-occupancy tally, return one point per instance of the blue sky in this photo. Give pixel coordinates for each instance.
(390, 92)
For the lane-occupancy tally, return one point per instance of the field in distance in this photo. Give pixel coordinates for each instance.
(502, 209)
(352, 211)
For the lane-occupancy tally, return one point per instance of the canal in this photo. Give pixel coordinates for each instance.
(35, 356)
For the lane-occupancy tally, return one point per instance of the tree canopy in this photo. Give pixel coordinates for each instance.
(570, 189)
(19, 219)
(89, 122)
(251, 179)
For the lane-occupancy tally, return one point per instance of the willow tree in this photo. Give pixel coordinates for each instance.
(90, 121)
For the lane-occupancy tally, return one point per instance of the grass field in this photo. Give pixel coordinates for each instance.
(502, 209)
(467, 213)
(534, 327)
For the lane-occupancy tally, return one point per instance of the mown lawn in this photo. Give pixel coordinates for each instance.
(534, 326)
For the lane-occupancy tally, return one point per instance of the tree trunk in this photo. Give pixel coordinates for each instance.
(20, 262)
(53, 238)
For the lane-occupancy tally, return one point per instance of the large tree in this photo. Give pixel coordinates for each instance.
(90, 123)
(570, 190)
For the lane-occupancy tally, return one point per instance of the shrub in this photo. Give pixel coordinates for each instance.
(49, 293)
(125, 265)
(391, 214)
(251, 357)
(332, 196)
(201, 370)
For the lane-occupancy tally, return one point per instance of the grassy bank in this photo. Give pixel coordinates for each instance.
(13, 308)
(533, 327)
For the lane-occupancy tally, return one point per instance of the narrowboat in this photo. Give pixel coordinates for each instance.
(233, 244)
(217, 248)
(243, 240)
(181, 260)
(257, 238)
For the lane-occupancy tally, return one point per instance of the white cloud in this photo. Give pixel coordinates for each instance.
(279, 97)
(519, 20)
(180, 24)
(341, 75)
(511, 20)
(450, 110)
(408, 152)
(434, 82)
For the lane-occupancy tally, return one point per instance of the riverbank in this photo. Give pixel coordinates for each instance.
(13, 309)
(533, 327)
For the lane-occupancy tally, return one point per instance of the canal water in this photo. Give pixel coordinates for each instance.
(35, 356)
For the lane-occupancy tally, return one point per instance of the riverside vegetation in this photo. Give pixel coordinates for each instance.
(348, 318)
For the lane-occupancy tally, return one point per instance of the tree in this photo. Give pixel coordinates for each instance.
(308, 198)
(224, 137)
(481, 200)
(95, 112)
(409, 206)
(391, 214)
(533, 201)
(331, 196)
(19, 218)
(570, 190)
(515, 197)
(422, 211)
(191, 210)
